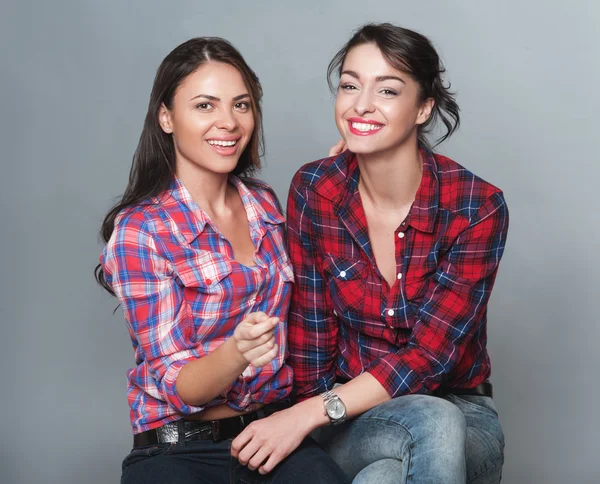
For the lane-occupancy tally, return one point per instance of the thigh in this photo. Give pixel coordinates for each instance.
(485, 438)
(307, 464)
(398, 428)
(192, 462)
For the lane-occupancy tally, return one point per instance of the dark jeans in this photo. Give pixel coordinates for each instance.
(211, 462)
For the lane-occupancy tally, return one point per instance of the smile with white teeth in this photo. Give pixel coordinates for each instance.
(221, 143)
(366, 127)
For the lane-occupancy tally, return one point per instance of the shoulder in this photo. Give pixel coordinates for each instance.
(135, 225)
(311, 173)
(263, 193)
(460, 190)
(132, 239)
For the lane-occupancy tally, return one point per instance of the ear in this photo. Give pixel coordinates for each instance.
(165, 119)
(425, 110)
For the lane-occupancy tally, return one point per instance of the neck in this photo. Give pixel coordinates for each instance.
(391, 180)
(208, 189)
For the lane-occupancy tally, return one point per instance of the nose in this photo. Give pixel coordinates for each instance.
(364, 103)
(226, 120)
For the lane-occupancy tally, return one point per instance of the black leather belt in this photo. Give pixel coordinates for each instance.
(216, 430)
(482, 390)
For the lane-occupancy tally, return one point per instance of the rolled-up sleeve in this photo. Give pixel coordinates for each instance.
(312, 327)
(453, 307)
(156, 312)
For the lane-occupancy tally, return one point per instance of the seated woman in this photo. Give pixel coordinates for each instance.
(196, 255)
(395, 251)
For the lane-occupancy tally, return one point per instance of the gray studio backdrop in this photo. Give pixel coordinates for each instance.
(76, 77)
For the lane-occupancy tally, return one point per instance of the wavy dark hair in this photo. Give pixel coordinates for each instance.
(153, 166)
(414, 54)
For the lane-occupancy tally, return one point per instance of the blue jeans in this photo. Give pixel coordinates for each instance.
(208, 462)
(419, 438)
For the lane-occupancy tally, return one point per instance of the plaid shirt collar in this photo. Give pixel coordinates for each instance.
(339, 184)
(191, 220)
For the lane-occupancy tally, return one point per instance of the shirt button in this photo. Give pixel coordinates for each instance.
(400, 275)
(400, 235)
(342, 273)
(258, 299)
(390, 312)
(334, 312)
(208, 282)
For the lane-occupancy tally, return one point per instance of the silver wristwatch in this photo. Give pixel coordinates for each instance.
(334, 407)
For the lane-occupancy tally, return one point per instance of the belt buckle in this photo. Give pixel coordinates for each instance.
(215, 428)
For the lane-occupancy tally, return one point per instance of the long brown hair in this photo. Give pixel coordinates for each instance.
(153, 166)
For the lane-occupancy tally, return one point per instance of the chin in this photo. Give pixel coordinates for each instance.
(360, 148)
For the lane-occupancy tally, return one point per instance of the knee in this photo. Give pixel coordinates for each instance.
(441, 421)
(424, 418)
(444, 419)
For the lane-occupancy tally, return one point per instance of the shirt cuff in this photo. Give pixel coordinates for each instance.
(392, 375)
(169, 390)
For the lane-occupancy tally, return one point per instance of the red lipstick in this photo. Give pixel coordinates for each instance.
(369, 132)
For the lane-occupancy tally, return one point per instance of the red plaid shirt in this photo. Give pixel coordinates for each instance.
(183, 295)
(430, 326)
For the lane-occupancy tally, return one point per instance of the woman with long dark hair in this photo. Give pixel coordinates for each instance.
(195, 253)
(395, 250)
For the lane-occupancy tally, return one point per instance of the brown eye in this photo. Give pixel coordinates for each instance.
(242, 106)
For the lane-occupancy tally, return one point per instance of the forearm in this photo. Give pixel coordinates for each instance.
(203, 379)
(359, 395)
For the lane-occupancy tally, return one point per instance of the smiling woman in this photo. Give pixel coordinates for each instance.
(196, 255)
(395, 251)
(210, 131)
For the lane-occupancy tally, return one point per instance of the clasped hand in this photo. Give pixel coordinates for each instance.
(255, 339)
(266, 442)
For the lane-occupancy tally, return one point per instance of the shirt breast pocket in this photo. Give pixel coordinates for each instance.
(347, 283)
(209, 291)
(286, 271)
(277, 257)
(206, 273)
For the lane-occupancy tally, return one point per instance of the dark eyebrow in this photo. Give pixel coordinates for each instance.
(351, 73)
(378, 79)
(387, 78)
(213, 98)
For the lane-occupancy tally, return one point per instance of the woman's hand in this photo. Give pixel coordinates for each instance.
(254, 339)
(338, 148)
(266, 442)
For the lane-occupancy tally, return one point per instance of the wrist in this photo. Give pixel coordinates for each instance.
(237, 356)
(335, 408)
(311, 412)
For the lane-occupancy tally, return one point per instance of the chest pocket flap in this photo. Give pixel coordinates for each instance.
(347, 283)
(344, 269)
(205, 270)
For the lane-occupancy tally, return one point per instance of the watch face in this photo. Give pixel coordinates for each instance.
(336, 409)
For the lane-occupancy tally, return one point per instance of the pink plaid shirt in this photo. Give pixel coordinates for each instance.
(183, 295)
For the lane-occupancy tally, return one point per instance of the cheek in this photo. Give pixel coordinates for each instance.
(340, 110)
(248, 123)
(190, 126)
(400, 114)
